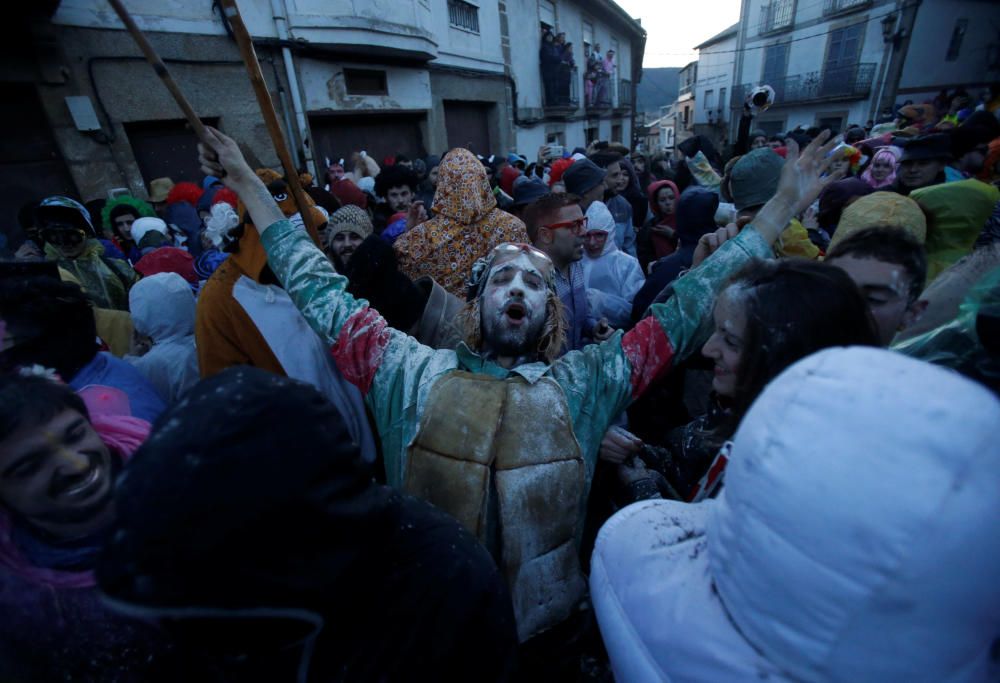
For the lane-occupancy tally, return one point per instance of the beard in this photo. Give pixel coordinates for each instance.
(504, 338)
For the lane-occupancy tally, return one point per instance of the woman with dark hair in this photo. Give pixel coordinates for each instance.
(770, 315)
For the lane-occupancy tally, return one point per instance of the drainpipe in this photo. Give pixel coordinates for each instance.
(280, 13)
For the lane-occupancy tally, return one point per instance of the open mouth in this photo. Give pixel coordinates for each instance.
(81, 487)
(516, 312)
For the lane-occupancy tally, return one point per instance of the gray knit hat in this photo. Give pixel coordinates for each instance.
(754, 178)
(350, 218)
(583, 176)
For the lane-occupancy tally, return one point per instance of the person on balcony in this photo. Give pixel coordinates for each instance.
(565, 70)
(549, 57)
(593, 75)
(602, 96)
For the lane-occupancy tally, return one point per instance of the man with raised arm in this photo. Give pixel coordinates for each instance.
(497, 433)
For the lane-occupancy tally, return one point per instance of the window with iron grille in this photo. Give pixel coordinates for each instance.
(463, 15)
(776, 15)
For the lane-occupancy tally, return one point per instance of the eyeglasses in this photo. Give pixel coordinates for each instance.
(577, 226)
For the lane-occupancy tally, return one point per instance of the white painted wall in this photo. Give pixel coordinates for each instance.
(323, 85)
(465, 49)
(926, 66)
(528, 140)
(400, 24)
(715, 71)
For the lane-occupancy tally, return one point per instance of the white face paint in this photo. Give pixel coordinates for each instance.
(513, 307)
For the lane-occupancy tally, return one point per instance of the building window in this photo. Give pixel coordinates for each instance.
(591, 135)
(616, 133)
(547, 13)
(961, 26)
(463, 15)
(365, 82)
(722, 99)
(708, 99)
(837, 6)
(775, 66)
(776, 15)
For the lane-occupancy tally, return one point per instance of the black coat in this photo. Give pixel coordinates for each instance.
(251, 496)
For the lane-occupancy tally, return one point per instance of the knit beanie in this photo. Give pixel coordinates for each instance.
(754, 178)
(350, 218)
(582, 177)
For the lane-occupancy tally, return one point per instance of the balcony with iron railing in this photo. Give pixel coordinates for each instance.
(834, 7)
(685, 90)
(560, 91)
(775, 16)
(599, 94)
(624, 95)
(851, 82)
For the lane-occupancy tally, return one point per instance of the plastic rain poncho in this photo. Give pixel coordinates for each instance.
(613, 278)
(163, 309)
(967, 343)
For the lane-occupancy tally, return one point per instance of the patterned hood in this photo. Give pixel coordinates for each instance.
(463, 192)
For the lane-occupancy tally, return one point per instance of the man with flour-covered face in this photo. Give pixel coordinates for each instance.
(503, 433)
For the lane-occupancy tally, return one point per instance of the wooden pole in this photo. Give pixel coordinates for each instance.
(232, 13)
(160, 68)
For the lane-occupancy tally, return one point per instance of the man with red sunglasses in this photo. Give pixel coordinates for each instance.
(502, 433)
(556, 226)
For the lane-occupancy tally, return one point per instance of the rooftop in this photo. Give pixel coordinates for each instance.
(719, 37)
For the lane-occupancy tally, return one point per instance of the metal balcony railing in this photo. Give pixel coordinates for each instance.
(776, 16)
(838, 6)
(624, 94)
(599, 93)
(851, 82)
(685, 90)
(560, 89)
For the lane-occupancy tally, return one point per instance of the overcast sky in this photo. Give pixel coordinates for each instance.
(673, 27)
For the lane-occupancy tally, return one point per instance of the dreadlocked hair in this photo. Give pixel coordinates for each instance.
(550, 343)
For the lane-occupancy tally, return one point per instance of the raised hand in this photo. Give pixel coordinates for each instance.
(802, 180)
(803, 177)
(219, 155)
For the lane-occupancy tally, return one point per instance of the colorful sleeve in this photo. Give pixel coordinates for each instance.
(616, 372)
(357, 334)
(678, 327)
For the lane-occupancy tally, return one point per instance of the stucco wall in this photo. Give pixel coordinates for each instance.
(131, 92)
(926, 67)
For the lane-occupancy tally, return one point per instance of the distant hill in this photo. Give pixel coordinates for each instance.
(657, 88)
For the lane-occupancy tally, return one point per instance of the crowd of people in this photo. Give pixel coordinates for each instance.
(594, 416)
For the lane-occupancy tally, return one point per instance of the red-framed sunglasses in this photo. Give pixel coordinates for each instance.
(577, 226)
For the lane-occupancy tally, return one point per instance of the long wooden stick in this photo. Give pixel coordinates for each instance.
(232, 13)
(160, 68)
